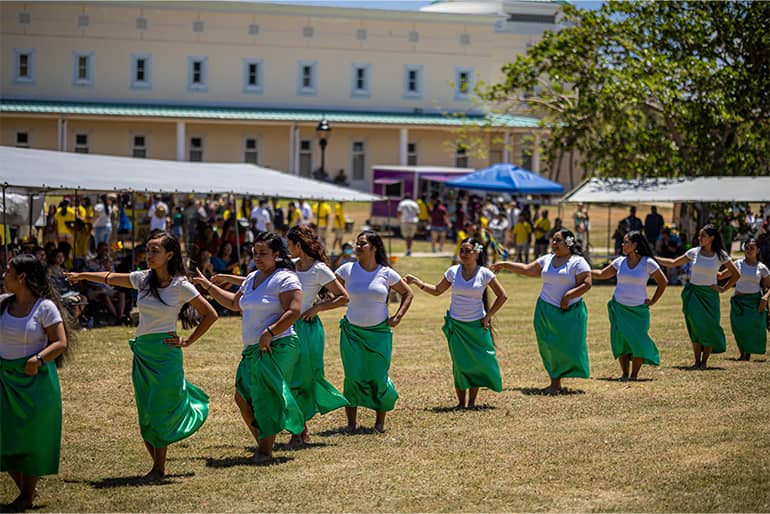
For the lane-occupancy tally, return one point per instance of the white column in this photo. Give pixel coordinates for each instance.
(536, 154)
(507, 146)
(292, 150)
(62, 133)
(180, 141)
(403, 146)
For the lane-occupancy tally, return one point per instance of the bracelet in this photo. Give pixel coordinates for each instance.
(40, 358)
(107, 276)
(210, 286)
(270, 332)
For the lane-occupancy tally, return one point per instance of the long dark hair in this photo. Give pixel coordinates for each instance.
(374, 239)
(480, 261)
(642, 246)
(275, 244)
(575, 248)
(307, 239)
(176, 268)
(38, 283)
(717, 245)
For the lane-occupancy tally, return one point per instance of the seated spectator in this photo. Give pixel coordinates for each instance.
(204, 264)
(224, 262)
(72, 299)
(618, 236)
(670, 246)
(346, 255)
(113, 299)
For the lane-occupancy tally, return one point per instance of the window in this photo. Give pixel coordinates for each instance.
(253, 29)
(197, 26)
(306, 78)
(360, 80)
(465, 39)
(24, 18)
(24, 66)
(83, 21)
(461, 156)
(197, 74)
(307, 32)
(196, 149)
(414, 36)
(82, 68)
(252, 76)
(412, 81)
(139, 148)
(250, 152)
(305, 158)
(81, 143)
(526, 145)
(463, 83)
(361, 34)
(141, 71)
(495, 156)
(141, 23)
(358, 160)
(22, 140)
(411, 154)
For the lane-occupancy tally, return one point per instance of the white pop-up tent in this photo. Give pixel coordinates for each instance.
(27, 170)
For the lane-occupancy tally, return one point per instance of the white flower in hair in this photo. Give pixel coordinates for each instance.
(569, 241)
(478, 247)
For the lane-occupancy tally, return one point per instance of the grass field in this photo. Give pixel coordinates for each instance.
(677, 441)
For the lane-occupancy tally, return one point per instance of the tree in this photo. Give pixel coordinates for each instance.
(643, 88)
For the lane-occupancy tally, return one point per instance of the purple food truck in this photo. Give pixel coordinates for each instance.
(393, 182)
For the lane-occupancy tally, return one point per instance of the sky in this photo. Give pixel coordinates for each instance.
(396, 5)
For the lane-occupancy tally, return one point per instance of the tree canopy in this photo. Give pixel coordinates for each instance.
(647, 88)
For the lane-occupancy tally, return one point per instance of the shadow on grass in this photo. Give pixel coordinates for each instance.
(737, 359)
(536, 391)
(9, 507)
(135, 481)
(286, 447)
(691, 368)
(345, 431)
(455, 408)
(618, 379)
(231, 462)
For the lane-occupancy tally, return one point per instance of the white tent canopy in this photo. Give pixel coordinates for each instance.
(684, 189)
(27, 170)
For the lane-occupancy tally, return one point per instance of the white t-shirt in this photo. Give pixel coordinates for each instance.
(307, 213)
(312, 280)
(703, 271)
(22, 337)
(409, 210)
(262, 217)
(261, 307)
(158, 223)
(467, 303)
(151, 210)
(156, 317)
(368, 291)
(557, 281)
(631, 289)
(101, 219)
(751, 277)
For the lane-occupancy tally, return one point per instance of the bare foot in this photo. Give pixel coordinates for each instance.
(261, 458)
(380, 428)
(703, 366)
(623, 378)
(154, 475)
(20, 504)
(551, 390)
(305, 438)
(633, 379)
(350, 429)
(295, 442)
(459, 406)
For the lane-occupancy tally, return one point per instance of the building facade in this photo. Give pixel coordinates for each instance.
(249, 82)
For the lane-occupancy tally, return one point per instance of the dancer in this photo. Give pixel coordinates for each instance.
(170, 408)
(366, 335)
(629, 307)
(467, 324)
(270, 299)
(748, 304)
(33, 340)
(309, 386)
(560, 315)
(700, 297)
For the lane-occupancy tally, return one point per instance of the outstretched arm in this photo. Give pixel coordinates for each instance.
(604, 274)
(433, 290)
(100, 277)
(532, 269)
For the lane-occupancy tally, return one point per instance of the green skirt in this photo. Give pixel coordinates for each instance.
(170, 408)
(309, 386)
(629, 332)
(700, 305)
(748, 323)
(474, 362)
(365, 353)
(261, 381)
(561, 339)
(30, 419)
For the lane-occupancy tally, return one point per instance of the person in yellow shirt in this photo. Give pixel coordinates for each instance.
(339, 225)
(323, 211)
(424, 215)
(521, 232)
(294, 214)
(542, 228)
(65, 221)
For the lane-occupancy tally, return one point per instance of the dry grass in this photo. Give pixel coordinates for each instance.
(681, 441)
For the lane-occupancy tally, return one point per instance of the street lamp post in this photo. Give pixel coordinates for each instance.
(324, 131)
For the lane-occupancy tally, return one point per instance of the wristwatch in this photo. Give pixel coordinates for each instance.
(40, 358)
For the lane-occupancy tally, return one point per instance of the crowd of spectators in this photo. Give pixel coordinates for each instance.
(93, 233)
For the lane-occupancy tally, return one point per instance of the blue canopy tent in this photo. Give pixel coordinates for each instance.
(507, 178)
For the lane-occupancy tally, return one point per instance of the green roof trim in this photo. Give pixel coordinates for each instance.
(258, 114)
